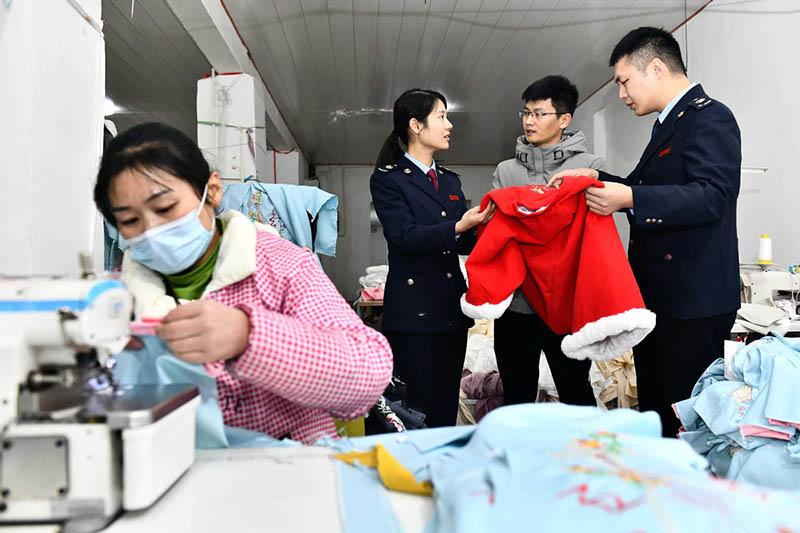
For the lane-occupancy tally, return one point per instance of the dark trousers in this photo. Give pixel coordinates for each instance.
(672, 357)
(518, 340)
(430, 365)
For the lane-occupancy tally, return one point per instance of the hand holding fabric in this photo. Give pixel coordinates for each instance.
(204, 331)
(608, 199)
(474, 217)
(557, 178)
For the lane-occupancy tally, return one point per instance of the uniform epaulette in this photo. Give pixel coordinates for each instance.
(701, 102)
(387, 168)
(440, 167)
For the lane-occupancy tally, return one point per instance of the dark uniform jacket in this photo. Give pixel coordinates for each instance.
(425, 284)
(683, 245)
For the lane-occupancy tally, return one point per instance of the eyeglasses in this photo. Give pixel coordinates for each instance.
(537, 114)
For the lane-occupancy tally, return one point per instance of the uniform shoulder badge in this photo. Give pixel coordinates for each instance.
(701, 102)
(386, 168)
(440, 167)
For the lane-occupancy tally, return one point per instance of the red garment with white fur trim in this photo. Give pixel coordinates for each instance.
(570, 264)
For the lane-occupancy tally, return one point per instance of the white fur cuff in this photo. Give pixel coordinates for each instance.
(608, 337)
(487, 310)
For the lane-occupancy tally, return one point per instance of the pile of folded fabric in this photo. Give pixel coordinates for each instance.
(763, 319)
(486, 388)
(373, 283)
(617, 381)
(744, 414)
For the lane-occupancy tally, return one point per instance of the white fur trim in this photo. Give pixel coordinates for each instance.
(150, 294)
(237, 252)
(610, 336)
(487, 310)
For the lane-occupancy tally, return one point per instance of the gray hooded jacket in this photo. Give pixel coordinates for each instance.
(534, 165)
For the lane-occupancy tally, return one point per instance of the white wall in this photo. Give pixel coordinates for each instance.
(51, 135)
(357, 247)
(287, 167)
(744, 55)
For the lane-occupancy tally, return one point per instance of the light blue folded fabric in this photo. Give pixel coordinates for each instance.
(767, 395)
(155, 365)
(770, 465)
(574, 469)
(364, 501)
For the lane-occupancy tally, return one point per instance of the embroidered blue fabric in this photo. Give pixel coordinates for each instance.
(573, 468)
(285, 208)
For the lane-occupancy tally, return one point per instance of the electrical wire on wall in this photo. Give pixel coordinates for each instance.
(245, 136)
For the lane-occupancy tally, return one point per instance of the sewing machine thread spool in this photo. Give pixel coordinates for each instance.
(765, 250)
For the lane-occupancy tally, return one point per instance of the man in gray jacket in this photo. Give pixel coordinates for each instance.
(520, 335)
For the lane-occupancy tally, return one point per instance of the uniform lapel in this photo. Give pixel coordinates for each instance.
(421, 181)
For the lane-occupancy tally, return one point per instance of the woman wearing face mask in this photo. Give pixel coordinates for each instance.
(426, 224)
(255, 309)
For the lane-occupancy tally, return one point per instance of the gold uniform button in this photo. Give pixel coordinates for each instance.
(668, 257)
(410, 281)
(407, 170)
(449, 275)
(443, 213)
(659, 221)
(648, 220)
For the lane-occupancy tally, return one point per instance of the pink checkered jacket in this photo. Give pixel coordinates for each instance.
(309, 358)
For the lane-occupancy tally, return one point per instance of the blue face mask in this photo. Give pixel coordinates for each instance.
(174, 246)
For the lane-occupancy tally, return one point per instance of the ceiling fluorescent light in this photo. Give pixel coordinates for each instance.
(109, 107)
(754, 170)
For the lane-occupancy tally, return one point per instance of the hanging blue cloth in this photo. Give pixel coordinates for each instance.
(287, 208)
(112, 254)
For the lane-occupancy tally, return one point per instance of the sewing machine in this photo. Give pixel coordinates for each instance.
(75, 448)
(765, 286)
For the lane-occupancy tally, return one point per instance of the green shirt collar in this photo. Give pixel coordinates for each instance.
(189, 285)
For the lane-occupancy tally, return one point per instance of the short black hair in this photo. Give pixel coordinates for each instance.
(558, 89)
(644, 44)
(150, 146)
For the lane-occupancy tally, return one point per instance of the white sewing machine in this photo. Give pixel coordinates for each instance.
(766, 286)
(75, 449)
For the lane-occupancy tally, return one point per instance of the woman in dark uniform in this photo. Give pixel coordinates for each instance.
(427, 225)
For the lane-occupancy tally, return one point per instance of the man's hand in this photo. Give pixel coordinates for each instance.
(558, 178)
(205, 331)
(608, 199)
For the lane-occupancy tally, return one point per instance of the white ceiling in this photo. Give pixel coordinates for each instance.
(152, 65)
(334, 68)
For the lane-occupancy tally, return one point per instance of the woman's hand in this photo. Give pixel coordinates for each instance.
(474, 217)
(205, 331)
(558, 178)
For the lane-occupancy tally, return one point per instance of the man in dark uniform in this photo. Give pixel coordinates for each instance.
(681, 205)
